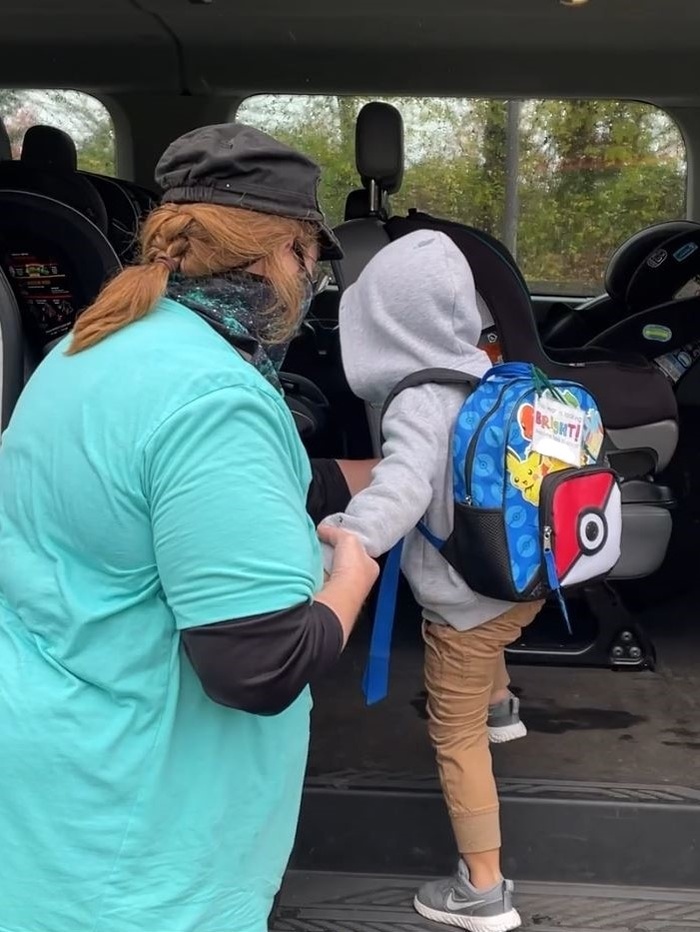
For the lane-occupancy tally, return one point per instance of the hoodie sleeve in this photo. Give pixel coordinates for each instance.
(402, 482)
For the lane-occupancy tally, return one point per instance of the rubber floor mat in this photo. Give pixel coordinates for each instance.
(319, 902)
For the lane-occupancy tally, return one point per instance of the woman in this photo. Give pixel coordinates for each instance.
(161, 602)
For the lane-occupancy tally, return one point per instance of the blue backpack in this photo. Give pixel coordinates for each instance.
(535, 508)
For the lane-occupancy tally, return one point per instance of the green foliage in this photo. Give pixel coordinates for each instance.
(591, 173)
(96, 152)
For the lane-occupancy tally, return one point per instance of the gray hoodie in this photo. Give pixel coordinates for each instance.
(414, 307)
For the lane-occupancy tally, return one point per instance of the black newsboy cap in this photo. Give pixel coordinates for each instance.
(238, 166)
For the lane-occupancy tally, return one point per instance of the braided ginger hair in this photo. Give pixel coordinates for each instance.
(198, 240)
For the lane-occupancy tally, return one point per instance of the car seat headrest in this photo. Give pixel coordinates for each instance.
(379, 146)
(49, 147)
(55, 260)
(358, 205)
(635, 250)
(664, 272)
(5, 147)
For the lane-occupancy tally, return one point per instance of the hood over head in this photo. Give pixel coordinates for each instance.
(413, 307)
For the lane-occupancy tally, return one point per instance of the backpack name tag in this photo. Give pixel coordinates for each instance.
(557, 430)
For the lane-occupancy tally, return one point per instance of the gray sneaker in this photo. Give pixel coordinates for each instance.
(504, 722)
(454, 902)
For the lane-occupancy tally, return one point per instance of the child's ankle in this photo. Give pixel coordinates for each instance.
(500, 695)
(482, 876)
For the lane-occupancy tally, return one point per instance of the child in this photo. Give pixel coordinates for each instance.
(415, 307)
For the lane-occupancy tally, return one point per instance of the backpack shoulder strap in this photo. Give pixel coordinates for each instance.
(427, 377)
(376, 677)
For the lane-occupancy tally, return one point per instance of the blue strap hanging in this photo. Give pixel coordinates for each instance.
(554, 585)
(433, 539)
(375, 683)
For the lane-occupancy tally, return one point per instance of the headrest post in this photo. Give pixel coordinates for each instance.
(374, 196)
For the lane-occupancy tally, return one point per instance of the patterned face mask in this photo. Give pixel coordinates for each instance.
(307, 298)
(236, 305)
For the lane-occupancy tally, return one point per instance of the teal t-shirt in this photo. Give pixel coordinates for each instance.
(153, 483)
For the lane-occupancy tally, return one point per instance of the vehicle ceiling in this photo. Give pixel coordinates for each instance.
(642, 48)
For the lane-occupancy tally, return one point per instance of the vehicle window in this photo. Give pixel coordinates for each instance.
(83, 117)
(562, 183)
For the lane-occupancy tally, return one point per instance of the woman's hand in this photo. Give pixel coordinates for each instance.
(351, 579)
(350, 559)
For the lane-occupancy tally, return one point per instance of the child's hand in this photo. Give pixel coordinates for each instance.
(351, 561)
(353, 573)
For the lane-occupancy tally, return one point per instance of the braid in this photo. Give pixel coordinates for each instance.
(167, 238)
(195, 240)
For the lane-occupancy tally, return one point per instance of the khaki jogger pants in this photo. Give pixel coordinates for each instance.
(462, 670)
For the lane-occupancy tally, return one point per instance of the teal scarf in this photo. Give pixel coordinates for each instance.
(236, 305)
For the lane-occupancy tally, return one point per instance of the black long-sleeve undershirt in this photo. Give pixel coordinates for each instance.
(260, 664)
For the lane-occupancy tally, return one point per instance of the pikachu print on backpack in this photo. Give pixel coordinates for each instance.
(536, 510)
(527, 475)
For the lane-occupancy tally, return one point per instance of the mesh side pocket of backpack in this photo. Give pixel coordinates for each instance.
(478, 549)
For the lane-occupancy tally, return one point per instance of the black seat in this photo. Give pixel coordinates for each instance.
(12, 375)
(567, 326)
(5, 147)
(668, 333)
(117, 207)
(54, 261)
(48, 166)
(145, 198)
(379, 157)
(123, 214)
(308, 404)
(639, 413)
(662, 295)
(127, 204)
(379, 161)
(357, 205)
(316, 352)
(636, 401)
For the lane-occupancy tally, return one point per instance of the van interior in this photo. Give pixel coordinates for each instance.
(558, 143)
